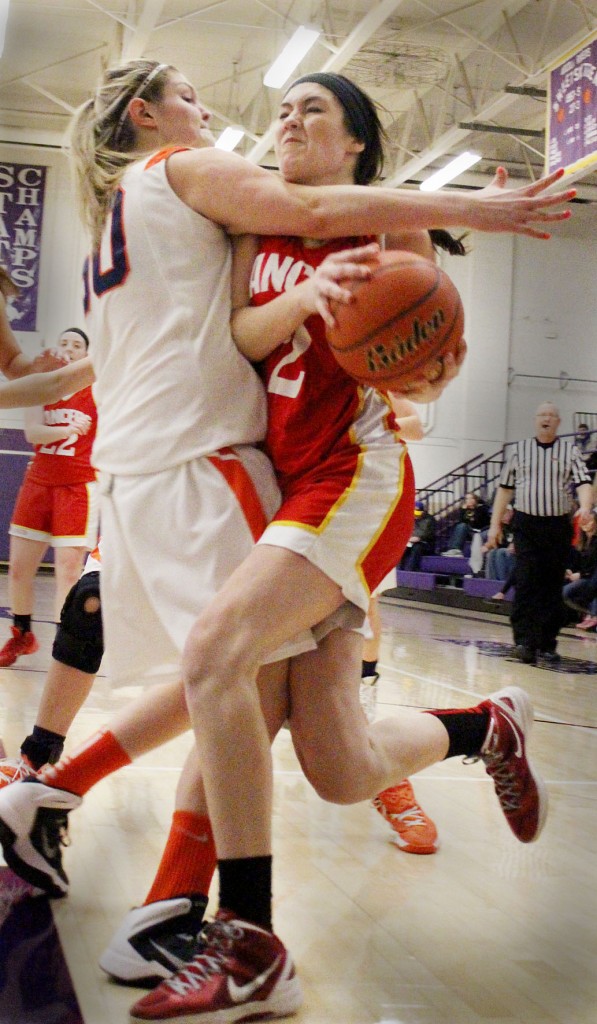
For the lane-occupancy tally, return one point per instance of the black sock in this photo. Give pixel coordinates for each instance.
(369, 668)
(466, 728)
(22, 622)
(43, 747)
(246, 888)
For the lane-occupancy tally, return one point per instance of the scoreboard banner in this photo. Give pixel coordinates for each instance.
(571, 130)
(22, 190)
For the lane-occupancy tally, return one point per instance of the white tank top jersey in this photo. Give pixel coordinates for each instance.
(171, 384)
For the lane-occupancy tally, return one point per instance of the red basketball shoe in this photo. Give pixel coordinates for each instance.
(520, 790)
(18, 644)
(240, 972)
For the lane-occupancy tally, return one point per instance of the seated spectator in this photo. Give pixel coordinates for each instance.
(422, 541)
(509, 582)
(500, 560)
(591, 463)
(586, 442)
(583, 440)
(474, 517)
(580, 589)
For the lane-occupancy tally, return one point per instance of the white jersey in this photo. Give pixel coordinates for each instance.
(171, 384)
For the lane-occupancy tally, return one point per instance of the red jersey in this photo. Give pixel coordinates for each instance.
(67, 461)
(314, 408)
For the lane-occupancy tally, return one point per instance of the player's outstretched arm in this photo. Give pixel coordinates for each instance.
(252, 200)
(45, 388)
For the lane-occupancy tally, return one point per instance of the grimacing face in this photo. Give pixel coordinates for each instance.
(312, 143)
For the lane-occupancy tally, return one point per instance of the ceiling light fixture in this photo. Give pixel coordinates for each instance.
(230, 138)
(292, 54)
(450, 171)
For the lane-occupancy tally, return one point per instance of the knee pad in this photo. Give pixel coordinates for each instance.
(79, 640)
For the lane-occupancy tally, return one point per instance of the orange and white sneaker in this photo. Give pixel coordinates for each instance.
(18, 644)
(239, 972)
(14, 769)
(414, 832)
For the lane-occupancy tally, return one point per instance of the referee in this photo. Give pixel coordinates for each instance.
(538, 472)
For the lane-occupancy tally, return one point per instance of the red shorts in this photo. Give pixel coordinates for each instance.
(64, 515)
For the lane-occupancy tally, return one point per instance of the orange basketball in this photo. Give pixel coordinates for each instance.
(401, 323)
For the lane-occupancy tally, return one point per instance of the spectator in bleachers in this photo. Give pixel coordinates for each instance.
(500, 560)
(507, 585)
(474, 517)
(422, 541)
(580, 589)
(583, 440)
(586, 442)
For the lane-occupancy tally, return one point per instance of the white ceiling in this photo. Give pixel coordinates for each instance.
(433, 65)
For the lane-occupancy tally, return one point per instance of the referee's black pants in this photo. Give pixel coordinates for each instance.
(542, 546)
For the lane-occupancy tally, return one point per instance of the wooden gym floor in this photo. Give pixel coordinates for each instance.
(486, 931)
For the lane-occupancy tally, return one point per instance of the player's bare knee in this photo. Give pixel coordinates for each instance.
(219, 646)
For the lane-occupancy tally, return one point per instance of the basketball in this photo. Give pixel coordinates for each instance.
(402, 322)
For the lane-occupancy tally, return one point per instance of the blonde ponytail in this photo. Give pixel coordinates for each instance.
(102, 136)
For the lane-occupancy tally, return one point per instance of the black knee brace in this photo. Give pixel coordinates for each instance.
(79, 640)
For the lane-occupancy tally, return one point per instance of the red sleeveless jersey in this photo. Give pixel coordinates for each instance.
(67, 461)
(315, 409)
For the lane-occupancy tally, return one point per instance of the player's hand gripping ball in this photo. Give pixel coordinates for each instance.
(403, 321)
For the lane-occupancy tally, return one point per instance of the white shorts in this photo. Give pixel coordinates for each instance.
(169, 542)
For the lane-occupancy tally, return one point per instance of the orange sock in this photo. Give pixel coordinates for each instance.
(93, 760)
(188, 861)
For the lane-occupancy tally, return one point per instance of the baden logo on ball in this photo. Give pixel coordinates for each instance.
(403, 321)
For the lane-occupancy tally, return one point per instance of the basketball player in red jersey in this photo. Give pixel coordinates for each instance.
(56, 504)
(256, 975)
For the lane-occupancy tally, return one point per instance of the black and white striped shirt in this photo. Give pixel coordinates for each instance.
(541, 475)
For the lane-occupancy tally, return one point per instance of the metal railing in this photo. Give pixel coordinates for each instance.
(479, 475)
(444, 497)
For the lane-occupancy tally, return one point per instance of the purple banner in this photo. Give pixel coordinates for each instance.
(22, 188)
(572, 110)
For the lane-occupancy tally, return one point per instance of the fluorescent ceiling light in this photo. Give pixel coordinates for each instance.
(230, 138)
(291, 56)
(450, 171)
(4, 5)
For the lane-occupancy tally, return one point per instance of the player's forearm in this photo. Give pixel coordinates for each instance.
(16, 367)
(42, 434)
(258, 330)
(410, 428)
(45, 388)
